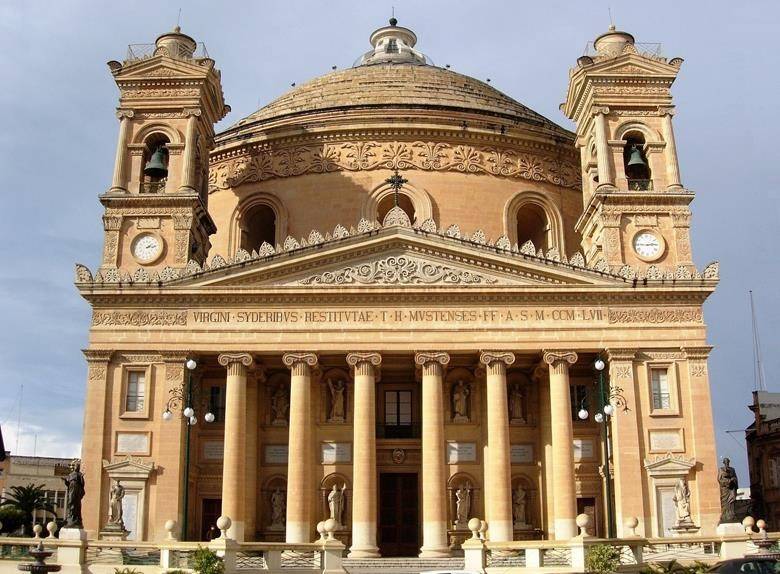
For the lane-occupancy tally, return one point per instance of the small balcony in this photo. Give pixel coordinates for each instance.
(410, 430)
(640, 185)
(149, 187)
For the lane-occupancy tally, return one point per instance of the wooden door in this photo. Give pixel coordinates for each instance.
(211, 510)
(398, 514)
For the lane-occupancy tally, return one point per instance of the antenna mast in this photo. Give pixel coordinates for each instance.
(758, 368)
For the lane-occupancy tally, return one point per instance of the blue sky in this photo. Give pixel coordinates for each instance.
(59, 131)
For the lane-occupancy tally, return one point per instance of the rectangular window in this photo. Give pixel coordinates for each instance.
(659, 384)
(136, 391)
(398, 408)
(579, 400)
(217, 403)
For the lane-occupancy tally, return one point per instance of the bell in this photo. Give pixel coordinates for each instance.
(636, 158)
(156, 167)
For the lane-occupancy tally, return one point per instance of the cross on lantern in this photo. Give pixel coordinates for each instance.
(396, 182)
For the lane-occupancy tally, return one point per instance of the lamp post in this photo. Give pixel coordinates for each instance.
(608, 397)
(183, 396)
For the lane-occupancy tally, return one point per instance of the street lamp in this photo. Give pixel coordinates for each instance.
(609, 397)
(183, 396)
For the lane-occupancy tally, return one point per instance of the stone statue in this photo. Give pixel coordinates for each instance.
(337, 402)
(336, 503)
(462, 505)
(682, 502)
(460, 402)
(516, 404)
(278, 504)
(115, 513)
(727, 479)
(519, 506)
(280, 405)
(74, 486)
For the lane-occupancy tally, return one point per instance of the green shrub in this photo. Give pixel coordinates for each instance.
(126, 571)
(602, 559)
(12, 519)
(204, 561)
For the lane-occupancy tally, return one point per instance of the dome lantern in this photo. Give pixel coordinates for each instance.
(393, 44)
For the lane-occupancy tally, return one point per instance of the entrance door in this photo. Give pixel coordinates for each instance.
(212, 508)
(398, 515)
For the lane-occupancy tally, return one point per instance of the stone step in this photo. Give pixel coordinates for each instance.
(400, 565)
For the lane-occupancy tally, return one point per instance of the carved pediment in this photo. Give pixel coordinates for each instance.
(129, 468)
(669, 465)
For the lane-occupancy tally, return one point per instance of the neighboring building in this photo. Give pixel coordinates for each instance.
(401, 352)
(38, 470)
(3, 461)
(763, 446)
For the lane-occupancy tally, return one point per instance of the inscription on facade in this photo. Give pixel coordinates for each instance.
(213, 450)
(521, 453)
(583, 449)
(461, 452)
(276, 453)
(336, 452)
(666, 440)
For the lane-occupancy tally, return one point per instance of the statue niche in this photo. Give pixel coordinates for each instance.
(336, 399)
(462, 490)
(279, 399)
(460, 399)
(334, 488)
(518, 398)
(276, 503)
(521, 504)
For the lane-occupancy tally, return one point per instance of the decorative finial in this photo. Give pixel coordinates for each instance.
(396, 182)
(393, 22)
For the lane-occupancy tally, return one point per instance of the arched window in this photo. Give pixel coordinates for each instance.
(155, 163)
(635, 162)
(532, 223)
(388, 202)
(258, 226)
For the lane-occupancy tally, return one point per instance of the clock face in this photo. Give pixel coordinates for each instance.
(147, 248)
(647, 245)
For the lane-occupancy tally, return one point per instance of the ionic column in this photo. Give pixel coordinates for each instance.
(190, 143)
(364, 516)
(565, 502)
(498, 470)
(434, 476)
(672, 163)
(299, 461)
(119, 181)
(603, 159)
(234, 460)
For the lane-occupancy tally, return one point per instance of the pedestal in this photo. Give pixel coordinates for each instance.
(70, 551)
(730, 529)
(685, 529)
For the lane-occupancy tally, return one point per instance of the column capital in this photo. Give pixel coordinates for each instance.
(603, 110)
(554, 357)
(665, 111)
(489, 357)
(192, 112)
(123, 113)
(292, 359)
(614, 354)
(424, 357)
(355, 358)
(226, 359)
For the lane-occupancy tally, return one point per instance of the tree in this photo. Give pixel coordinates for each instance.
(27, 500)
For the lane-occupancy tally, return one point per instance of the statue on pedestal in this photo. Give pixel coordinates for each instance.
(74, 486)
(460, 402)
(336, 503)
(337, 402)
(115, 512)
(727, 479)
(280, 405)
(519, 505)
(462, 505)
(516, 404)
(682, 502)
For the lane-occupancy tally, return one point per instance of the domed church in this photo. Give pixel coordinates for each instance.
(397, 299)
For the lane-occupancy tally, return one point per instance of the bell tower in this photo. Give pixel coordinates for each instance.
(156, 209)
(636, 210)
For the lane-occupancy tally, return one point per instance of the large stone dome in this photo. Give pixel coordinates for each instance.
(396, 82)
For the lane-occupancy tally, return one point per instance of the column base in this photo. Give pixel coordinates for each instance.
(364, 552)
(565, 528)
(297, 533)
(236, 531)
(431, 552)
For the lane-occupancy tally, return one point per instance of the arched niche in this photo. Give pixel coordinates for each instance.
(410, 199)
(461, 396)
(530, 215)
(274, 508)
(173, 135)
(277, 397)
(464, 486)
(249, 226)
(525, 503)
(343, 488)
(336, 385)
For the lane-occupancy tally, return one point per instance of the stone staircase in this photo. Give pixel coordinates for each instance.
(400, 565)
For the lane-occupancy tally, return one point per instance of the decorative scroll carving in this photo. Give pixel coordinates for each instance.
(353, 359)
(273, 163)
(396, 216)
(553, 357)
(83, 274)
(398, 270)
(426, 357)
(140, 318)
(489, 357)
(226, 359)
(654, 315)
(291, 359)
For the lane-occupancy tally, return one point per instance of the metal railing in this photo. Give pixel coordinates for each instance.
(647, 49)
(143, 51)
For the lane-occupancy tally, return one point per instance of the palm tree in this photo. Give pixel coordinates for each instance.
(28, 499)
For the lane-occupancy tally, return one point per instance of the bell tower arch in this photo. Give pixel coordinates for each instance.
(636, 210)
(156, 210)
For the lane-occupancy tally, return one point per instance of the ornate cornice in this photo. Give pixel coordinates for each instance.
(98, 355)
(278, 161)
(615, 354)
